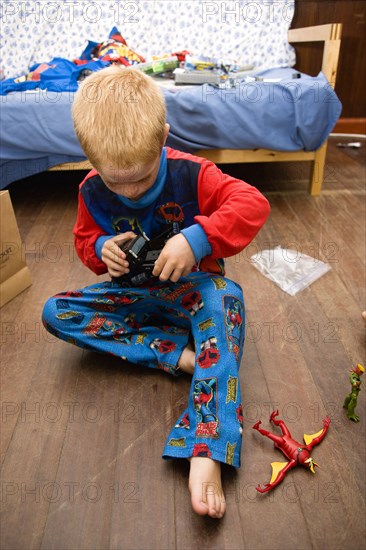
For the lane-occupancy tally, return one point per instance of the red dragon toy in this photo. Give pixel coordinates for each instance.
(297, 453)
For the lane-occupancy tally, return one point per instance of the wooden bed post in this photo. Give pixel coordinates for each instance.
(317, 173)
(331, 36)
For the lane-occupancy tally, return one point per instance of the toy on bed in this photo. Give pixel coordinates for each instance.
(297, 453)
(62, 75)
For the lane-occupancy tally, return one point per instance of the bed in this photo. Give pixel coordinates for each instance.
(267, 116)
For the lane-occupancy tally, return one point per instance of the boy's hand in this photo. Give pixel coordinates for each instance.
(113, 256)
(175, 260)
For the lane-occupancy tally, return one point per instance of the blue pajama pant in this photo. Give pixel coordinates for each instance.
(150, 326)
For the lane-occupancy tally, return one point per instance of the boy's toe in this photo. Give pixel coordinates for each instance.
(222, 507)
(212, 506)
(198, 505)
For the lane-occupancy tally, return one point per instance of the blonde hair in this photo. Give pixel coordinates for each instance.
(119, 117)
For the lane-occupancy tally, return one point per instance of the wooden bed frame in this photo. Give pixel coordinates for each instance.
(331, 36)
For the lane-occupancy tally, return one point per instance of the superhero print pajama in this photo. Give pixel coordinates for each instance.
(151, 325)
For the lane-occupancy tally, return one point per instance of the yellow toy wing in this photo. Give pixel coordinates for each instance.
(309, 438)
(277, 467)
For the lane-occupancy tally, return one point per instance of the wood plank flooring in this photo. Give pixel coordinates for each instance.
(82, 433)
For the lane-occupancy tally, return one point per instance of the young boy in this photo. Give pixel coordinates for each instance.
(188, 316)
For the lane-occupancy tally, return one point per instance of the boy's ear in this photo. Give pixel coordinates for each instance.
(166, 132)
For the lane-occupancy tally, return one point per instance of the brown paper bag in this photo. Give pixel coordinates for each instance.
(14, 274)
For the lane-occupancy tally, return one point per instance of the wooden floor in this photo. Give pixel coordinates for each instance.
(82, 433)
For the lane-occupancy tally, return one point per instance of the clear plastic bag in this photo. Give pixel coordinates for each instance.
(291, 270)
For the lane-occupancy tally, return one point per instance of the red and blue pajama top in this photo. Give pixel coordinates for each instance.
(219, 215)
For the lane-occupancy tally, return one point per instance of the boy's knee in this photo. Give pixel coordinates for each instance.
(49, 311)
(235, 290)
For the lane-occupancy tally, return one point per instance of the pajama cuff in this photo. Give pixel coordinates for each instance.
(174, 450)
(198, 241)
(99, 244)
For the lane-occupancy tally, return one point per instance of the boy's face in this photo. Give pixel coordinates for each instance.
(131, 183)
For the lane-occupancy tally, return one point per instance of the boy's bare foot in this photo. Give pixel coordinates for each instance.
(187, 360)
(206, 489)
(363, 315)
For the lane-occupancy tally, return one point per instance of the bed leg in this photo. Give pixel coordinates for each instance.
(318, 170)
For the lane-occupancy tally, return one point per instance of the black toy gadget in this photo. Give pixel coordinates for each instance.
(141, 254)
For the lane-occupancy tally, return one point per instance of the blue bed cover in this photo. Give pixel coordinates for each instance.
(280, 113)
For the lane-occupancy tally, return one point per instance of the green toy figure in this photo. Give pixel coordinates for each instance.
(351, 400)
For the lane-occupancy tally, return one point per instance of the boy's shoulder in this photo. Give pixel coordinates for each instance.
(174, 154)
(90, 175)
